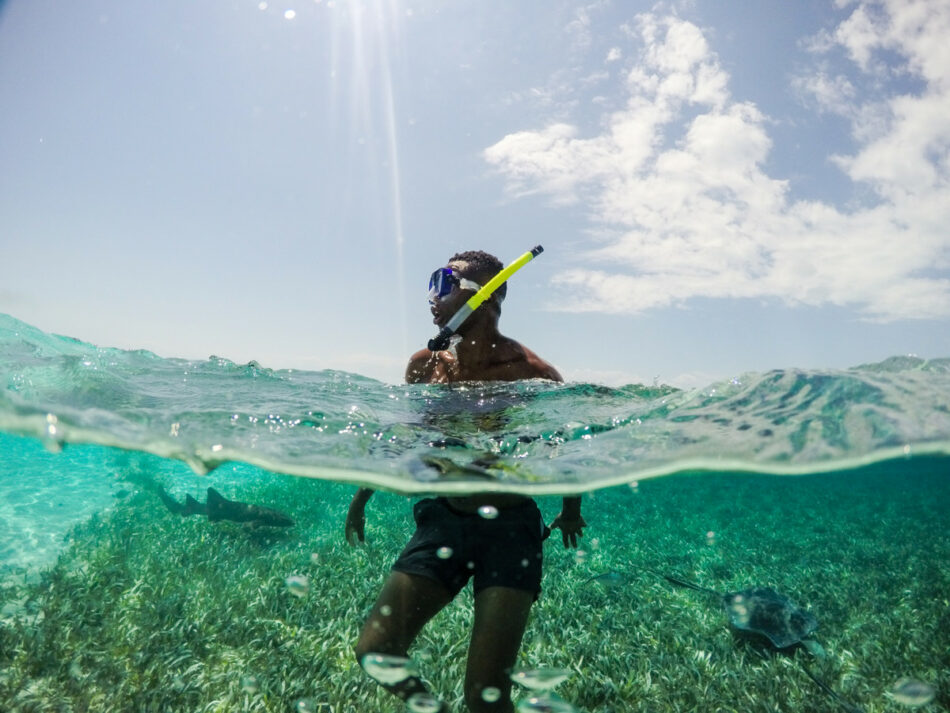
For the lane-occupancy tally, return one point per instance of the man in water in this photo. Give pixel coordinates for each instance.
(454, 540)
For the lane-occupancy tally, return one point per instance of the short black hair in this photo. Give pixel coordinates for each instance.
(484, 266)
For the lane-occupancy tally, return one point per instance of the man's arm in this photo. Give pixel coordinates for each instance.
(570, 522)
(355, 528)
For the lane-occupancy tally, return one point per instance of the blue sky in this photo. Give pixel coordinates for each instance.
(719, 187)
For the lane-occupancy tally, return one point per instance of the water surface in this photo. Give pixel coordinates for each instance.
(829, 485)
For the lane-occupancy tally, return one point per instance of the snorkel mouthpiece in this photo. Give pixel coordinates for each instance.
(442, 339)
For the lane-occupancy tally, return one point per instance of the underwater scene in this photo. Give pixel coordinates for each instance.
(172, 535)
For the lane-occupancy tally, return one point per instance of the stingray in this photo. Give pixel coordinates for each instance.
(763, 614)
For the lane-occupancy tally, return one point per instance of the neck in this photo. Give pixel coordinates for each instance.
(479, 343)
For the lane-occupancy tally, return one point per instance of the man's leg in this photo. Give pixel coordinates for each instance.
(501, 614)
(405, 604)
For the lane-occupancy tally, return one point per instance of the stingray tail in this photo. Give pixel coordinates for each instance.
(676, 581)
(848, 706)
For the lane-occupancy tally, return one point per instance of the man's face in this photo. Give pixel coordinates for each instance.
(442, 309)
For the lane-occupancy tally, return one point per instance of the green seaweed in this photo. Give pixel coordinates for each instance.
(145, 610)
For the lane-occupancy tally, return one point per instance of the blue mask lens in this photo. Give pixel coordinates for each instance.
(441, 283)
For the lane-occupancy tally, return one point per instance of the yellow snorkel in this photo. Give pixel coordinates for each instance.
(441, 340)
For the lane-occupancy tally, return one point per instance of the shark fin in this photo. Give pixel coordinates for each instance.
(216, 505)
(192, 507)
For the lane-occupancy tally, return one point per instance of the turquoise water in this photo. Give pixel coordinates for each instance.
(533, 437)
(832, 485)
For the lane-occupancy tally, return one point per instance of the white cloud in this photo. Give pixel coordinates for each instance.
(860, 35)
(579, 29)
(677, 182)
(834, 94)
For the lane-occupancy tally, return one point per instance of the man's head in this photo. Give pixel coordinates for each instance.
(466, 273)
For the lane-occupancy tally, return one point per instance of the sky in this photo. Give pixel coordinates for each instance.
(719, 187)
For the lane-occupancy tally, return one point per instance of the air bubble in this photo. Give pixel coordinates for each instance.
(540, 679)
(423, 703)
(443, 553)
(490, 694)
(545, 704)
(912, 693)
(51, 436)
(489, 512)
(388, 669)
(298, 585)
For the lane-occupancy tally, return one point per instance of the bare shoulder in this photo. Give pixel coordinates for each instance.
(427, 367)
(515, 361)
(420, 367)
(511, 361)
(538, 367)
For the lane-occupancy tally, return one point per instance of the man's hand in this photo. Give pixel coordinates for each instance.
(570, 522)
(571, 528)
(355, 529)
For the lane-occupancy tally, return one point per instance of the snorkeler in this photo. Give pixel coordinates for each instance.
(453, 542)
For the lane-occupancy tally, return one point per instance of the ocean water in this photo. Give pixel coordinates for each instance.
(830, 485)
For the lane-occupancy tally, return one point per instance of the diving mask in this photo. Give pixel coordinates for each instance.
(444, 280)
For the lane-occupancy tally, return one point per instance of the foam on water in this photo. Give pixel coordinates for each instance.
(531, 437)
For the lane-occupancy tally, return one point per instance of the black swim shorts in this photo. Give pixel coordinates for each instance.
(451, 546)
